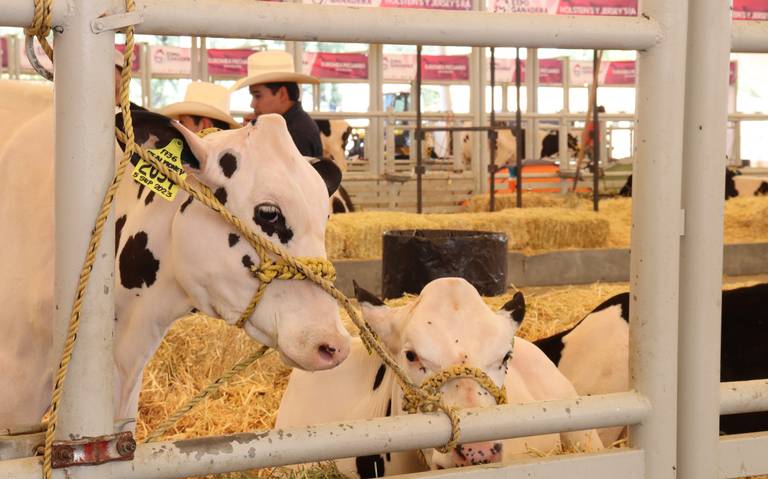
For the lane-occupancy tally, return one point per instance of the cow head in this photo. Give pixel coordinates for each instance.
(257, 172)
(334, 135)
(450, 324)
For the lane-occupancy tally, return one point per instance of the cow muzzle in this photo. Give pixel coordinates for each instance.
(476, 453)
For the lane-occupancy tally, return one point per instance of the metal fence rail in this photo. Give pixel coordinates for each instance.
(84, 142)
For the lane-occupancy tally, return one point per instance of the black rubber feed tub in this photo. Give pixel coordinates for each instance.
(413, 258)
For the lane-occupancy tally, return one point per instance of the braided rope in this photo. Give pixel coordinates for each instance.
(413, 402)
(41, 25)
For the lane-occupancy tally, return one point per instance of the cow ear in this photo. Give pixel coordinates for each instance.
(383, 319)
(329, 172)
(152, 130)
(514, 309)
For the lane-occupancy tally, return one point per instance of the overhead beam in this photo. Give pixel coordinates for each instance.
(301, 22)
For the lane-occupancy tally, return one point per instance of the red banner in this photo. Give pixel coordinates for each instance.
(445, 67)
(136, 65)
(550, 71)
(233, 63)
(3, 52)
(351, 66)
(750, 9)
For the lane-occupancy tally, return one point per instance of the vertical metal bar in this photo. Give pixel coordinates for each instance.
(492, 134)
(204, 59)
(194, 54)
(532, 100)
(565, 123)
(655, 245)
(373, 137)
(704, 148)
(518, 135)
(417, 131)
(595, 136)
(85, 153)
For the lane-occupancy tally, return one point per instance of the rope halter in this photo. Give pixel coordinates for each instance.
(427, 397)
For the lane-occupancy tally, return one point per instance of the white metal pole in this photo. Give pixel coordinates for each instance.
(532, 103)
(656, 229)
(373, 136)
(85, 152)
(212, 455)
(701, 247)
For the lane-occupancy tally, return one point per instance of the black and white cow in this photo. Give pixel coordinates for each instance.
(594, 353)
(736, 184)
(334, 135)
(550, 145)
(171, 256)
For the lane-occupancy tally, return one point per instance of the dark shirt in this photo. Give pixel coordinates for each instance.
(304, 131)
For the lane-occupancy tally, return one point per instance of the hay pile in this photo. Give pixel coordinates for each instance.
(530, 200)
(358, 235)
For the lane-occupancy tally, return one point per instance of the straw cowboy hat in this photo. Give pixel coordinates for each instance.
(272, 66)
(203, 99)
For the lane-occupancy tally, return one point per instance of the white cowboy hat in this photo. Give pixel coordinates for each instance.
(203, 99)
(269, 67)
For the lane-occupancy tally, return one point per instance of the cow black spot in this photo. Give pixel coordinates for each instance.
(763, 189)
(233, 239)
(370, 466)
(186, 203)
(389, 408)
(119, 230)
(247, 262)
(221, 195)
(272, 222)
(149, 198)
(379, 377)
(324, 126)
(141, 190)
(228, 163)
(138, 265)
(516, 307)
(364, 296)
(621, 299)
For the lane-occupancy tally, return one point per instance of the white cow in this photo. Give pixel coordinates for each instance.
(334, 135)
(171, 256)
(21, 100)
(448, 324)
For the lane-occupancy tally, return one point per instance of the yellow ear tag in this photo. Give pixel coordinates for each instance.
(147, 175)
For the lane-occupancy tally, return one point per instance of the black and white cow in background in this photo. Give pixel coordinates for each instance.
(736, 184)
(594, 353)
(334, 135)
(172, 256)
(550, 145)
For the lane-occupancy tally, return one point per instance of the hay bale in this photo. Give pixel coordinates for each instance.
(746, 219)
(480, 203)
(358, 235)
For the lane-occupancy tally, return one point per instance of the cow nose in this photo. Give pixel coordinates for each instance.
(330, 354)
(477, 453)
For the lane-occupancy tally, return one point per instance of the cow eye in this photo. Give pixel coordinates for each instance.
(507, 357)
(411, 356)
(267, 213)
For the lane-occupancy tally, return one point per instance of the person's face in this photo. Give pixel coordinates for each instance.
(264, 101)
(189, 122)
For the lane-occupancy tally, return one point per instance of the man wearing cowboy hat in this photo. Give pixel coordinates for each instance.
(273, 84)
(205, 105)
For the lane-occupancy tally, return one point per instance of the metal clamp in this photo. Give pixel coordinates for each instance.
(91, 451)
(116, 22)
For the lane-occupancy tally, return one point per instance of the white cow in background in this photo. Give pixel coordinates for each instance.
(448, 324)
(172, 256)
(19, 102)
